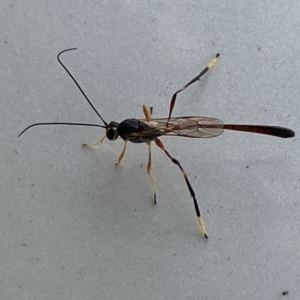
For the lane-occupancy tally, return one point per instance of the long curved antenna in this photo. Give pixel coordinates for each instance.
(83, 93)
(60, 123)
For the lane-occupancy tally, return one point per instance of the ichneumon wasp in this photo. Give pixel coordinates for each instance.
(150, 130)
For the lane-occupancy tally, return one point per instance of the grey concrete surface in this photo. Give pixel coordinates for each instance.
(73, 226)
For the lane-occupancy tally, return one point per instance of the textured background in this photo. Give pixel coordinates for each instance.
(72, 226)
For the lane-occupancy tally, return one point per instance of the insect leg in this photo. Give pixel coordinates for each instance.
(148, 116)
(209, 66)
(149, 165)
(94, 144)
(197, 209)
(147, 113)
(121, 157)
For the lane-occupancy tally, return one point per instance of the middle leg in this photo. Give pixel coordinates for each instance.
(148, 116)
(149, 166)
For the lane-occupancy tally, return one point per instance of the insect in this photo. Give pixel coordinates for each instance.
(150, 130)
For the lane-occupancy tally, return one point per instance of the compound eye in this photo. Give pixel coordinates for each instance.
(112, 134)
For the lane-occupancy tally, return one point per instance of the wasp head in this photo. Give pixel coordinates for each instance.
(111, 131)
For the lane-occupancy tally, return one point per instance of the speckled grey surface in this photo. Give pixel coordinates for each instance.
(72, 226)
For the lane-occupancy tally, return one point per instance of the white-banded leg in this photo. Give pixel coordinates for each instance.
(205, 70)
(159, 143)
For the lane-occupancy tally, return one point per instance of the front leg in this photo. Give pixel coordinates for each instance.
(94, 144)
(121, 157)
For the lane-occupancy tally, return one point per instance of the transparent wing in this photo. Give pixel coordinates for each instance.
(193, 127)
